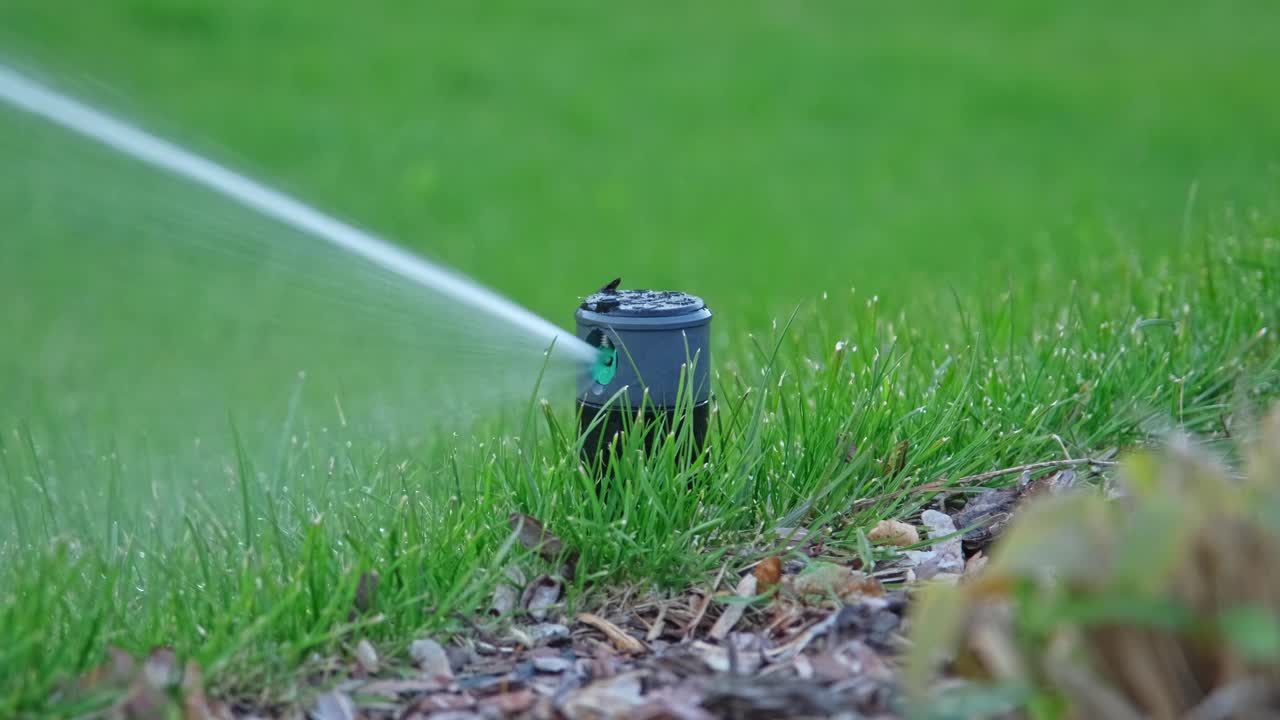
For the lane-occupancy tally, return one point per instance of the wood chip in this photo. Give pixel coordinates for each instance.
(619, 637)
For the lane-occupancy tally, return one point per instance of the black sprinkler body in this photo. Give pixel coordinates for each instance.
(654, 340)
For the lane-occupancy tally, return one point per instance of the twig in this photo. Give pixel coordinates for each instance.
(655, 630)
(981, 477)
(970, 479)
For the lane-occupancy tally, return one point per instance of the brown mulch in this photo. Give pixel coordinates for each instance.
(799, 635)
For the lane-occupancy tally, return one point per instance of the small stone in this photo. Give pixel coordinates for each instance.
(545, 633)
(431, 657)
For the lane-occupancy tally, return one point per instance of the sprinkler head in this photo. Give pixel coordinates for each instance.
(653, 359)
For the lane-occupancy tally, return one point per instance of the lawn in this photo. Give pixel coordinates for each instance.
(1012, 233)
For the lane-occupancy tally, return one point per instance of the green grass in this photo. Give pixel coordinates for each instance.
(1061, 226)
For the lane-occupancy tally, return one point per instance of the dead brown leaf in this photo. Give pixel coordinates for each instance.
(534, 537)
(768, 573)
(367, 592)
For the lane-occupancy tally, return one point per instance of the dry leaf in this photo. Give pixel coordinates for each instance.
(535, 537)
(334, 706)
(744, 649)
(604, 699)
(894, 532)
(161, 669)
(733, 611)
(431, 657)
(504, 600)
(195, 703)
(540, 596)
(768, 572)
(366, 657)
(975, 564)
(619, 637)
(832, 580)
(367, 592)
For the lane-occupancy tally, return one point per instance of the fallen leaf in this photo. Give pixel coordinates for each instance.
(833, 580)
(742, 649)
(334, 706)
(987, 513)
(619, 637)
(1052, 484)
(535, 537)
(678, 702)
(540, 596)
(431, 658)
(367, 592)
(116, 671)
(511, 703)
(975, 564)
(195, 703)
(894, 532)
(733, 611)
(768, 572)
(504, 600)
(161, 668)
(366, 657)
(609, 699)
(869, 622)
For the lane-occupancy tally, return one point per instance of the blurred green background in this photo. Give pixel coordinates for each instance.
(754, 152)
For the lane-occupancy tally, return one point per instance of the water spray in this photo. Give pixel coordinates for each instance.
(30, 96)
(652, 361)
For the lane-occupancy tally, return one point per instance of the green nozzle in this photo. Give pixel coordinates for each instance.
(606, 365)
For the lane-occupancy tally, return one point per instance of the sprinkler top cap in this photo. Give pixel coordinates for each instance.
(643, 303)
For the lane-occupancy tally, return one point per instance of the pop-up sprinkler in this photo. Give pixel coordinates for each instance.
(653, 353)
